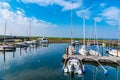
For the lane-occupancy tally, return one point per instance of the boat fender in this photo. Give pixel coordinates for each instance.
(105, 72)
(65, 70)
(79, 72)
(83, 69)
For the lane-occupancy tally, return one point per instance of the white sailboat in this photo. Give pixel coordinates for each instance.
(116, 52)
(94, 51)
(29, 42)
(72, 65)
(4, 46)
(83, 50)
(71, 47)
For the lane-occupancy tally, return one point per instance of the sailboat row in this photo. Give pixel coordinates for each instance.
(12, 47)
(90, 51)
(73, 64)
(4, 46)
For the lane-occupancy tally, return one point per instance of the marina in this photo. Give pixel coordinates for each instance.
(59, 40)
(49, 59)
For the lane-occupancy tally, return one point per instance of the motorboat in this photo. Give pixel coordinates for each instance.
(43, 40)
(77, 42)
(114, 52)
(73, 66)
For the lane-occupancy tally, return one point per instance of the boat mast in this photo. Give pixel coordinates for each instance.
(30, 29)
(5, 30)
(84, 30)
(118, 33)
(71, 16)
(96, 41)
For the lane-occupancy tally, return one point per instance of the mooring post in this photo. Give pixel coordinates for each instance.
(13, 54)
(117, 53)
(4, 53)
(66, 52)
(20, 50)
(102, 50)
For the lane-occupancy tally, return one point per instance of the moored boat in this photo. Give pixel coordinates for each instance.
(7, 48)
(73, 66)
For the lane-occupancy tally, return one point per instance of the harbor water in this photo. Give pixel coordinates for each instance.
(45, 63)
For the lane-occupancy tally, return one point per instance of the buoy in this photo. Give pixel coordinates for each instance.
(83, 69)
(105, 72)
(65, 70)
(79, 72)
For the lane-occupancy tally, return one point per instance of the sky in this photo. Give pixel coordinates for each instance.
(58, 18)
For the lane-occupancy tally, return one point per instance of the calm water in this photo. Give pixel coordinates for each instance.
(45, 63)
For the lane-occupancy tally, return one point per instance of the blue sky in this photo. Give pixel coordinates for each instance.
(52, 18)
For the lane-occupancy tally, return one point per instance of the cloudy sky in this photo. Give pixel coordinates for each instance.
(53, 17)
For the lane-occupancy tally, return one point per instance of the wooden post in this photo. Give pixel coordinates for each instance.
(66, 52)
(102, 50)
(117, 53)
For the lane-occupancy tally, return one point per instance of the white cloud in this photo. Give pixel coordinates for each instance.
(111, 15)
(67, 5)
(84, 13)
(102, 5)
(112, 22)
(4, 5)
(98, 19)
(18, 23)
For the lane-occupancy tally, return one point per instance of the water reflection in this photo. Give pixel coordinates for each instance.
(44, 63)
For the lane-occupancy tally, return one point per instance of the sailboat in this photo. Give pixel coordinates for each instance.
(5, 46)
(94, 51)
(83, 50)
(29, 42)
(115, 52)
(71, 47)
(72, 65)
(25, 43)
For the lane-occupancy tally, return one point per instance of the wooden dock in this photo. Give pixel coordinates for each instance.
(95, 59)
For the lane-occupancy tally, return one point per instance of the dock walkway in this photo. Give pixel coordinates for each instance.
(88, 58)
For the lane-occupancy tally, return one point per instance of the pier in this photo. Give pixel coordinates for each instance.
(95, 59)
